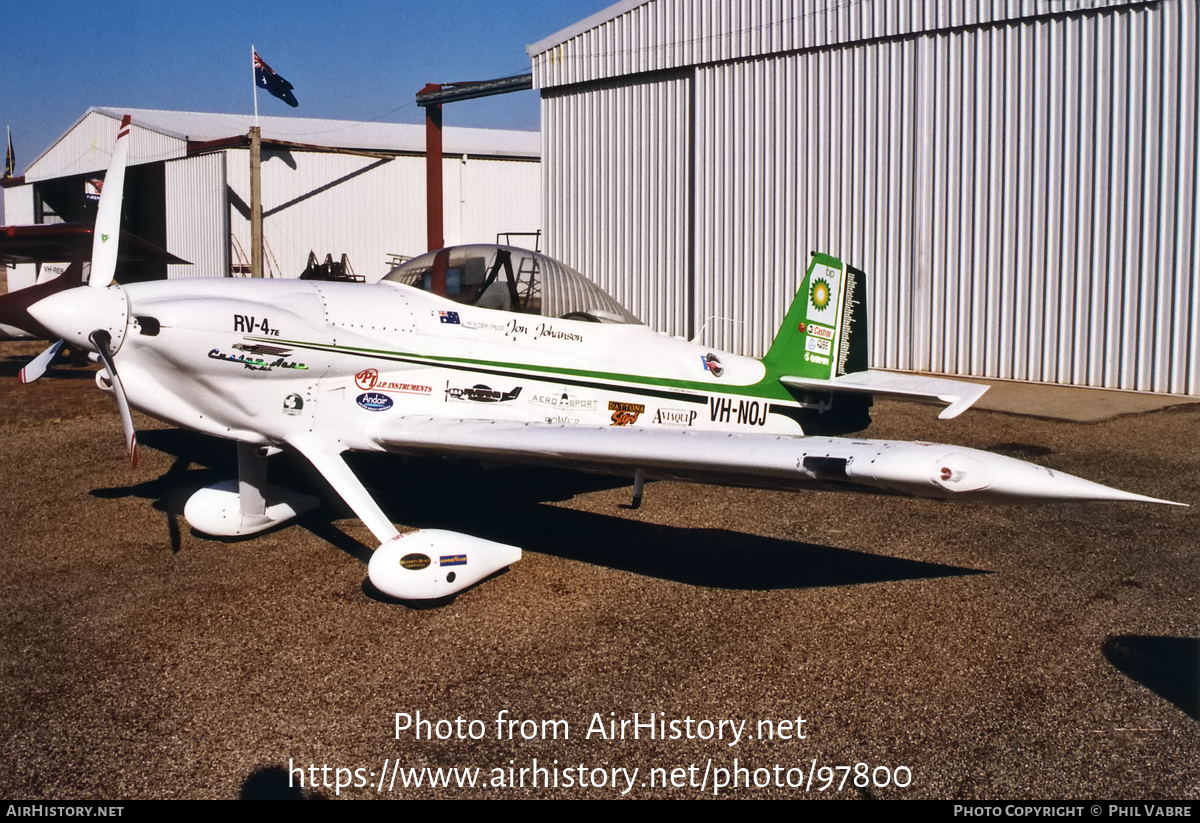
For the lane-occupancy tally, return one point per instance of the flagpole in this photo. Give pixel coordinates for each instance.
(254, 83)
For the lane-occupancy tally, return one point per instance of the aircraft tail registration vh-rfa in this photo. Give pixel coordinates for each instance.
(503, 354)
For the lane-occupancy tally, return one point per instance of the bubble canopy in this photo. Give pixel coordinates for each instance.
(510, 279)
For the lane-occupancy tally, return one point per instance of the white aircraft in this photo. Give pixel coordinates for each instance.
(506, 355)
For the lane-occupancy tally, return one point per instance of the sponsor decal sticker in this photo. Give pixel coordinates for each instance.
(674, 417)
(415, 562)
(823, 296)
(450, 317)
(261, 348)
(369, 379)
(563, 400)
(254, 363)
(293, 404)
(817, 345)
(375, 401)
(480, 393)
(452, 560)
(625, 414)
(820, 331)
(819, 294)
(712, 364)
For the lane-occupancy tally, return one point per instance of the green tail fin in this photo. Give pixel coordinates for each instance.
(824, 334)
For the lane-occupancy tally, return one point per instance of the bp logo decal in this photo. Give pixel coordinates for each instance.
(819, 294)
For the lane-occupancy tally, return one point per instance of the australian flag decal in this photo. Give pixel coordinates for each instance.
(449, 317)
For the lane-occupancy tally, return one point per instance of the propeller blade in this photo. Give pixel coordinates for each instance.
(36, 367)
(100, 339)
(108, 215)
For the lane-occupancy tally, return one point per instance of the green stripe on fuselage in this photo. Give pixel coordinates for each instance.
(769, 388)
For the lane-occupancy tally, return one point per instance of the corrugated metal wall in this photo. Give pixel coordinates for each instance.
(370, 196)
(482, 197)
(379, 204)
(1023, 195)
(617, 192)
(198, 215)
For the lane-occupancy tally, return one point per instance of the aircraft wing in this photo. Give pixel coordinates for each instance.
(70, 242)
(753, 460)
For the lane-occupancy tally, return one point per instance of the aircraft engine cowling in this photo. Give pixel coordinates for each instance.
(434, 563)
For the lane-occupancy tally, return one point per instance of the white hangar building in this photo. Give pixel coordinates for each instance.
(1017, 179)
(329, 187)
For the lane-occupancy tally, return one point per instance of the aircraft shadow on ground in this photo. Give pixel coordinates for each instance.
(1167, 666)
(508, 506)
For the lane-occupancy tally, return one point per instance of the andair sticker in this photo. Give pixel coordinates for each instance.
(480, 393)
(817, 345)
(712, 364)
(293, 404)
(674, 417)
(374, 401)
(452, 560)
(415, 562)
(625, 414)
(450, 317)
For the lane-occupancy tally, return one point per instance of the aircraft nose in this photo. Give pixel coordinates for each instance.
(75, 313)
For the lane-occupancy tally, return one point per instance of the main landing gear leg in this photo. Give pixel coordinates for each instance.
(248, 505)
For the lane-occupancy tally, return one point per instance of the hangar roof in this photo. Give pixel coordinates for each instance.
(643, 36)
(166, 135)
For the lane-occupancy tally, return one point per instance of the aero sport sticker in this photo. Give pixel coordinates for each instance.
(625, 414)
(563, 400)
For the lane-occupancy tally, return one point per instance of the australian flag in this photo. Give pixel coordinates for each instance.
(266, 78)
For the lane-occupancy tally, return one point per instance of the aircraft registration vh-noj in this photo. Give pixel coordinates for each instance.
(502, 354)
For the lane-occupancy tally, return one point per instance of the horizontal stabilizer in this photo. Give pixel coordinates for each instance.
(960, 396)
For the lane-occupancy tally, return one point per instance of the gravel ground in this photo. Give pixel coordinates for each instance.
(996, 652)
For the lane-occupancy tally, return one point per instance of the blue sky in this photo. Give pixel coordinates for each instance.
(356, 60)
